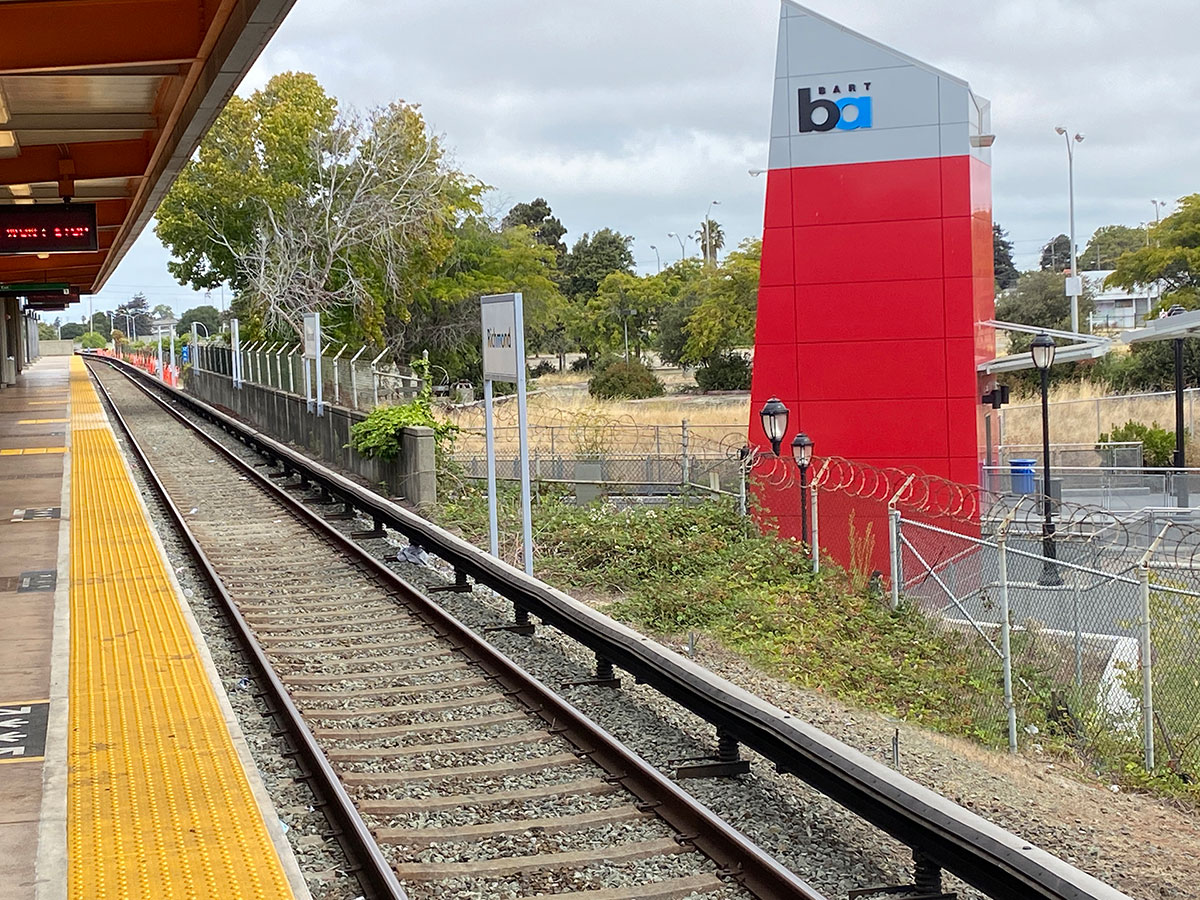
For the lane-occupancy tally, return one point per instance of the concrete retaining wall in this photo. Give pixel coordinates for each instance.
(285, 417)
(56, 348)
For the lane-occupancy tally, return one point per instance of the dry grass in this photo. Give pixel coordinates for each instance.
(566, 419)
(1081, 411)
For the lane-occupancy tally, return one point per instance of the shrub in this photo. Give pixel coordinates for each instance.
(581, 365)
(545, 367)
(92, 340)
(1158, 444)
(632, 380)
(589, 364)
(378, 435)
(727, 372)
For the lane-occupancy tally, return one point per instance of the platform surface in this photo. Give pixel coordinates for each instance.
(122, 773)
(32, 459)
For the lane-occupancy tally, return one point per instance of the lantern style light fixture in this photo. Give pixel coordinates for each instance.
(1042, 349)
(802, 450)
(774, 417)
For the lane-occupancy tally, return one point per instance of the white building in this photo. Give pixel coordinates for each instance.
(1116, 308)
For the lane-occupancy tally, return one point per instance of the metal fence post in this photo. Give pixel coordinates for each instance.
(815, 547)
(743, 474)
(1005, 636)
(894, 553)
(1078, 633)
(1147, 671)
(687, 475)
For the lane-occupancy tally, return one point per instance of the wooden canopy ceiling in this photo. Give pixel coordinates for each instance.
(103, 101)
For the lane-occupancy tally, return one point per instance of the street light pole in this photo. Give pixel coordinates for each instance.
(1042, 349)
(678, 238)
(1074, 286)
(1182, 500)
(657, 258)
(802, 448)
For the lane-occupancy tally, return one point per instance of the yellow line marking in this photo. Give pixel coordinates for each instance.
(158, 804)
(26, 451)
(62, 402)
(7, 703)
(40, 421)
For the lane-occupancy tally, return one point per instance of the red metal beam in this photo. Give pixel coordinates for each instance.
(98, 159)
(58, 35)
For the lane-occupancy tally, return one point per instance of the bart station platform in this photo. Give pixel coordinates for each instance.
(124, 772)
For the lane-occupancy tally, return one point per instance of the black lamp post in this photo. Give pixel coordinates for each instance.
(774, 417)
(1181, 485)
(802, 449)
(1042, 350)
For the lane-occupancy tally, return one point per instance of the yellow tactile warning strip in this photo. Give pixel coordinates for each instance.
(158, 804)
(31, 451)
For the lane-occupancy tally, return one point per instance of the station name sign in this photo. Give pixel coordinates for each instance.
(57, 228)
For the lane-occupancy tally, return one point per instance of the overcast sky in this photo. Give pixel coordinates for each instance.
(635, 114)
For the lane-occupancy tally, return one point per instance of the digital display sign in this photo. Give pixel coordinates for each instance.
(48, 229)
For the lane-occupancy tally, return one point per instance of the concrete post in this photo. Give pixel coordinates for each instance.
(418, 465)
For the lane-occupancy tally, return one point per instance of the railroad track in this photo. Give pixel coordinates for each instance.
(456, 772)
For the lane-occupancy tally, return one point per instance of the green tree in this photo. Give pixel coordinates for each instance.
(73, 331)
(624, 304)
(540, 219)
(483, 260)
(1172, 260)
(1002, 261)
(592, 258)
(92, 340)
(208, 316)
(1056, 255)
(711, 239)
(163, 311)
(135, 311)
(258, 154)
(724, 317)
(1108, 243)
(101, 325)
(46, 332)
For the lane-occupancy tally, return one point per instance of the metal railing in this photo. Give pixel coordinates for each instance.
(353, 380)
(1122, 454)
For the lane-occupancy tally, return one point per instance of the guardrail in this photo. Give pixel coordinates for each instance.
(942, 834)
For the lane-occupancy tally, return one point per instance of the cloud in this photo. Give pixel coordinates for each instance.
(634, 114)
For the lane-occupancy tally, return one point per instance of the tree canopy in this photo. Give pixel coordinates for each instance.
(540, 219)
(1056, 255)
(1172, 260)
(208, 316)
(1005, 270)
(592, 258)
(1108, 243)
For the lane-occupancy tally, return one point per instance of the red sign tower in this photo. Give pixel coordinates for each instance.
(877, 256)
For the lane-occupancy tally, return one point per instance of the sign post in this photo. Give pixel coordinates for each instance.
(235, 355)
(503, 322)
(312, 352)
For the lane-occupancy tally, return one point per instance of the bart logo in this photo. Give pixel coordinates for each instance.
(845, 114)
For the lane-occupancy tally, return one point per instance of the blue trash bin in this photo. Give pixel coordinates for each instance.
(1021, 472)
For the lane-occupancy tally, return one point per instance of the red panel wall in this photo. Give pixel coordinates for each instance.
(874, 279)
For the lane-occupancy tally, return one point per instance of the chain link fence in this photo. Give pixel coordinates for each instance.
(1091, 639)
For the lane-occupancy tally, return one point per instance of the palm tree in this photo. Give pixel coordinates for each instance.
(711, 239)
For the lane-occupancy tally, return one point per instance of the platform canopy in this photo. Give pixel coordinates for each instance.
(102, 102)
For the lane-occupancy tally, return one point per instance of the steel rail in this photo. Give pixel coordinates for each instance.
(374, 874)
(986, 856)
(697, 826)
